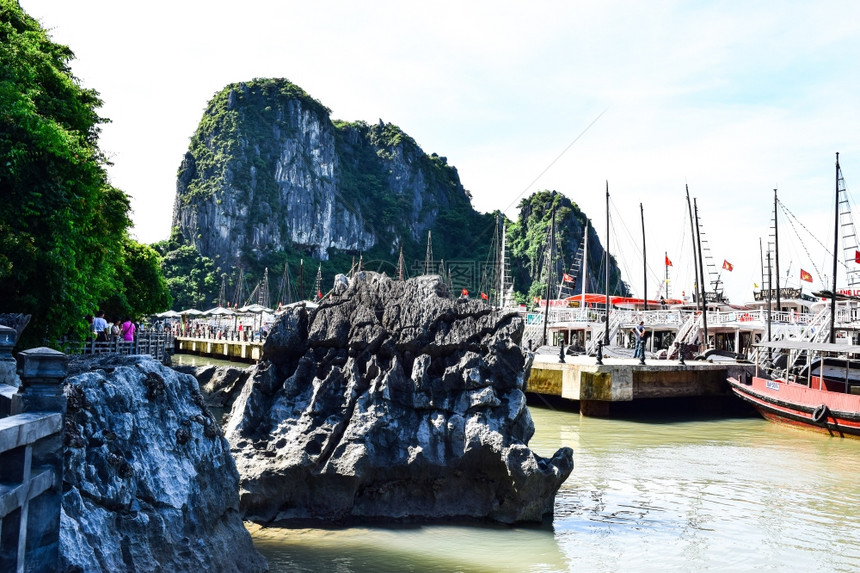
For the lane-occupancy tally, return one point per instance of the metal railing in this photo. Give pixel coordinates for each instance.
(157, 344)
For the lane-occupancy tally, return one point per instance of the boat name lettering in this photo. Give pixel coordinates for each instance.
(771, 385)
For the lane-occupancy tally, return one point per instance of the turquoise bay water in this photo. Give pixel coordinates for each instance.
(679, 494)
(684, 492)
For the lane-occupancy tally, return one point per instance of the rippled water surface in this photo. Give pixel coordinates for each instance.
(195, 360)
(684, 493)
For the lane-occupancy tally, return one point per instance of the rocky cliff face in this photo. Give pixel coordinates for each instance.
(149, 484)
(267, 169)
(392, 400)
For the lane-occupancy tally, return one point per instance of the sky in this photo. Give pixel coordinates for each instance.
(732, 99)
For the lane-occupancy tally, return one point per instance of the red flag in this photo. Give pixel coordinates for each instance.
(319, 294)
(465, 292)
(668, 262)
(484, 296)
(566, 278)
(727, 265)
(857, 256)
(805, 276)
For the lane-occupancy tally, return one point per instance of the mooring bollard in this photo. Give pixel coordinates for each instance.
(600, 353)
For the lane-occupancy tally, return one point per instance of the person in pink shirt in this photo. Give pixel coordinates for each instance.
(127, 330)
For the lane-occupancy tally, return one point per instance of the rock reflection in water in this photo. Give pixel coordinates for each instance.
(682, 493)
(465, 548)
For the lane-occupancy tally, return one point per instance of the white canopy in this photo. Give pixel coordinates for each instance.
(192, 312)
(168, 314)
(220, 311)
(255, 308)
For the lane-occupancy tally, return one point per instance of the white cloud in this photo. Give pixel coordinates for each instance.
(733, 98)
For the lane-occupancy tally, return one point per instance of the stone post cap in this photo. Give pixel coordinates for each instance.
(7, 336)
(42, 362)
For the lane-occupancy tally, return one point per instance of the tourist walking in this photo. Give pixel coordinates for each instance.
(127, 330)
(99, 326)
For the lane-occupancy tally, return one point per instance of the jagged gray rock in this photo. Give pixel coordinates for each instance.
(392, 400)
(148, 478)
(219, 385)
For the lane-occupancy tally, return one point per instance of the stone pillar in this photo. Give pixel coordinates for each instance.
(8, 374)
(42, 371)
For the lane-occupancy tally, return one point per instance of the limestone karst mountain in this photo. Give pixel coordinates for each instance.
(270, 178)
(268, 170)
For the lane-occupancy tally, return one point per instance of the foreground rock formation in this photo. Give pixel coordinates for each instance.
(392, 400)
(148, 479)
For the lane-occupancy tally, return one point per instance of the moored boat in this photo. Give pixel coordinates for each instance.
(823, 394)
(809, 384)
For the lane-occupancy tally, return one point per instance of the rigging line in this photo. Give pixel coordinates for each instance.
(635, 244)
(791, 220)
(553, 162)
(808, 255)
(799, 222)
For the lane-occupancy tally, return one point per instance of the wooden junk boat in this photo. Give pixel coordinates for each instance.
(822, 394)
(808, 383)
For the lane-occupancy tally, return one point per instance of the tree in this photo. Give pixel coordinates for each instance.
(144, 290)
(62, 226)
(191, 278)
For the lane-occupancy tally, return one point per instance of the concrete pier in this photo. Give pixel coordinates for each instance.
(596, 387)
(237, 350)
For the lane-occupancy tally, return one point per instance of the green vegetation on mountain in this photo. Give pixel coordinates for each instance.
(240, 122)
(528, 239)
(190, 278)
(64, 246)
(270, 180)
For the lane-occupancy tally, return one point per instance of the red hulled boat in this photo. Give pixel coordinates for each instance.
(823, 395)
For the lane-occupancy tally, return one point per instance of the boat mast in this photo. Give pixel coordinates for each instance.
(835, 249)
(702, 278)
(695, 257)
(606, 250)
(238, 299)
(263, 294)
(644, 259)
(761, 261)
(549, 269)
(769, 297)
(584, 266)
(776, 250)
(501, 267)
(666, 267)
(284, 293)
(428, 257)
